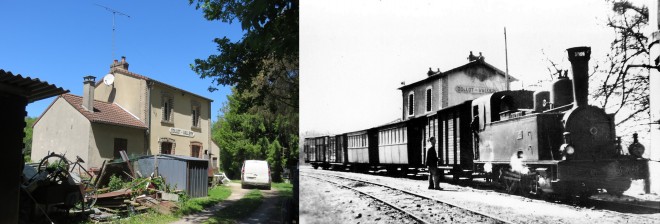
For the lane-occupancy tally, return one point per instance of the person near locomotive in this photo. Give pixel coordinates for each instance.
(432, 164)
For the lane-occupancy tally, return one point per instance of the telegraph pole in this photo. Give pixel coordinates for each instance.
(654, 98)
(506, 57)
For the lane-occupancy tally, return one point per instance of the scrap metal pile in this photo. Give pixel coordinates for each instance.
(57, 190)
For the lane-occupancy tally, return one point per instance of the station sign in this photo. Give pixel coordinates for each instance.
(475, 89)
(182, 132)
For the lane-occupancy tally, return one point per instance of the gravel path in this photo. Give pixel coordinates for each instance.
(236, 194)
(269, 211)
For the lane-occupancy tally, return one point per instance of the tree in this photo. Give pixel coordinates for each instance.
(27, 140)
(260, 119)
(620, 82)
(244, 132)
(623, 83)
(265, 59)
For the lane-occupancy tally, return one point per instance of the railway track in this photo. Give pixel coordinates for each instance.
(421, 208)
(634, 213)
(640, 211)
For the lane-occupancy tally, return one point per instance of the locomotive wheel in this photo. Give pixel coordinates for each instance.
(391, 171)
(404, 171)
(619, 188)
(315, 166)
(511, 186)
(532, 187)
(615, 192)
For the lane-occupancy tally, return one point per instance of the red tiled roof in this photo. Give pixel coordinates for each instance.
(106, 113)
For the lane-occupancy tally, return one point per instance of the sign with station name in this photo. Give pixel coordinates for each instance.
(182, 132)
(475, 89)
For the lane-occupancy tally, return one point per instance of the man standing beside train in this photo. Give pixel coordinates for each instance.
(432, 164)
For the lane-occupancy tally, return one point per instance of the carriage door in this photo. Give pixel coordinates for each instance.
(430, 129)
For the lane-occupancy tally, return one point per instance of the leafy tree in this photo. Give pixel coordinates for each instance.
(27, 140)
(265, 60)
(260, 120)
(275, 160)
(247, 132)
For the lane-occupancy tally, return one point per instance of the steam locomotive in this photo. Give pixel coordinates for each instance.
(567, 146)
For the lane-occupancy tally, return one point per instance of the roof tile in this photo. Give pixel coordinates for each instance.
(107, 113)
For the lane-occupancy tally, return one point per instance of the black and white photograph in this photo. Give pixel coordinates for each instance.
(479, 112)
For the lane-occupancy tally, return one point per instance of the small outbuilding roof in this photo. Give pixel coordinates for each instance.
(33, 89)
(104, 112)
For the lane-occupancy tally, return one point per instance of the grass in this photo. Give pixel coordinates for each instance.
(238, 210)
(230, 214)
(186, 207)
(148, 217)
(216, 194)
(283, 189)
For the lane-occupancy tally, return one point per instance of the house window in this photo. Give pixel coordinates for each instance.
(167, 103)
(428, 99)
(195, 109)
(411, 104)
(196, 149)
(167, 146)
(121, 144)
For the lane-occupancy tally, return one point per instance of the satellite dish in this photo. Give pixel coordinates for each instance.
(109, 79)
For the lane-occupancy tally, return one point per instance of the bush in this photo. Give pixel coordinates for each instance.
(116, 183)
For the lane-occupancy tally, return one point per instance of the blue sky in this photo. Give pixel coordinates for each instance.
(62, 41)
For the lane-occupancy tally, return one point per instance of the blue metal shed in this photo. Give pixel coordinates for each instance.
(185, 173)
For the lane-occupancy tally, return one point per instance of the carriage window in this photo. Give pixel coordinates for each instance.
(507, 104)
(405, 134)
(428, 100)
(396, 135)
(411, 103)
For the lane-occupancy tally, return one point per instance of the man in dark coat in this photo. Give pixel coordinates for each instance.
(432, 164)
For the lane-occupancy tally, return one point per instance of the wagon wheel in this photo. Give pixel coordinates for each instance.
(57, 166)
(510, 186)
(530, 186)
(617, 188)
(89, 195)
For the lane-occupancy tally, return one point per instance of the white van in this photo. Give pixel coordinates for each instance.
(255, 173)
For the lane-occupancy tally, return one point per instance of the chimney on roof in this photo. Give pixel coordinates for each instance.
(120, 64)
(88, 93)
(471, 57)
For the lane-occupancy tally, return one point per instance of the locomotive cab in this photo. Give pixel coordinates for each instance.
(502, 106)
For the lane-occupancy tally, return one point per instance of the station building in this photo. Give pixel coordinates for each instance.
(445, 89)
(125, 111)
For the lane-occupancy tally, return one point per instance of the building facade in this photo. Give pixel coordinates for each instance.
(445, 89)
(141, 116)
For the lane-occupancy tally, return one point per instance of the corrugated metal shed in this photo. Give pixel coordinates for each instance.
(32, 89)
(16, 92)
(181, 172)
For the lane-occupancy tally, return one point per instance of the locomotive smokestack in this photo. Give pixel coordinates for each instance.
(579, 58)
